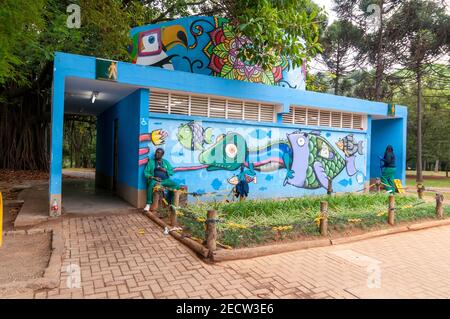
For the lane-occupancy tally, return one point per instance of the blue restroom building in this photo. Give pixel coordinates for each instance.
(219, 119)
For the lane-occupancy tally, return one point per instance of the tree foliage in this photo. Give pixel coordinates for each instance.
(32, 30)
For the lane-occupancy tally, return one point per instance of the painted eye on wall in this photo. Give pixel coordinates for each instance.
(301, 141)
(231, 150)
(149, 43)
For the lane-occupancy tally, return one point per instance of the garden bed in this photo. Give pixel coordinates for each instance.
(262, 222)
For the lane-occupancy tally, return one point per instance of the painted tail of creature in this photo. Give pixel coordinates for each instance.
(360, 147)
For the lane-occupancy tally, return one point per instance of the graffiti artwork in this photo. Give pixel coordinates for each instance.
(193, 136)
(156, 137)
(223, 51)
(207, 45)
(293, 159)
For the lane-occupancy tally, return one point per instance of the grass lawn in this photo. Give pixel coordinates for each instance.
(254, 222)
(431, 179)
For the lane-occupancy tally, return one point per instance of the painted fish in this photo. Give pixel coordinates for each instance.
(349, 146)
(228, 152)
(193, 136)
(314, 163)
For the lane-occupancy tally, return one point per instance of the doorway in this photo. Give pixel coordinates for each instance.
(116, 155)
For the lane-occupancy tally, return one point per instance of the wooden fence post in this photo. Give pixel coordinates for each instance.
(378, 185)
(324, 218)
(391, 210)
(154, 206)
(420, 190)
(173, 211)
(211, 230)
(439, 207)
(330, 187)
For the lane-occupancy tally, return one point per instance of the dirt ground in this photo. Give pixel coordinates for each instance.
(24, 257)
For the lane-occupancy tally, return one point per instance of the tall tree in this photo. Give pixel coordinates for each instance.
(372, 16)
(340, 47)
(422, 37)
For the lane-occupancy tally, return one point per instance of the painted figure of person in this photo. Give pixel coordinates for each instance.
(158, 171)
(388, 172)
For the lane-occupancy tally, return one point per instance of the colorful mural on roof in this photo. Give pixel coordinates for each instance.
(206, 45)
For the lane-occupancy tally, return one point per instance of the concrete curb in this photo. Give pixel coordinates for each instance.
(253, 252)
(52, 274)
(13, 202)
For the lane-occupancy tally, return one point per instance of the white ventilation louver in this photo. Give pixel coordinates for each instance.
(316, 117)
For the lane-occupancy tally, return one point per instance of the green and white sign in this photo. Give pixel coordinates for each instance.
(106, 70)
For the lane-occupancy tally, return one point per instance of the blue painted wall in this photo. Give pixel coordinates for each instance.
(261, 145)
(391, 131)
(206, 45)
(127, 111)
(385, 132)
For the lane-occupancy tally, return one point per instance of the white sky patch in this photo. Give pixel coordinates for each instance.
(328, 5)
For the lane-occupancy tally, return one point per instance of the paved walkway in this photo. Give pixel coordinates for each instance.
(117, 261)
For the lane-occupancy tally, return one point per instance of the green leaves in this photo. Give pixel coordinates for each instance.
(275, 27)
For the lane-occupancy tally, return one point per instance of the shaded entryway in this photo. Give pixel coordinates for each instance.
(80, 196)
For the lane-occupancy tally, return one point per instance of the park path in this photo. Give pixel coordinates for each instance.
(118, 260)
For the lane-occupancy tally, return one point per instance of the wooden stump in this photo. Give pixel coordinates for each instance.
(155, 204)
(330, 187)
(173, 212)
(211, 230)
(391, 210)
(323, 226)
(420, 190)
(439, 206)
(183, 198)
(378, 185)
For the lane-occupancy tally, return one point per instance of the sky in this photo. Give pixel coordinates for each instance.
(328, 4)
(315, 66)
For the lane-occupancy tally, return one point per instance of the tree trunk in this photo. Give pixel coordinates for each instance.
(23, 126)
(436, 166)
(419, 177)
(380, 65)
(338, 72)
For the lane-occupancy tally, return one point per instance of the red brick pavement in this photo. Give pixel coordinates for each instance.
(116, 261)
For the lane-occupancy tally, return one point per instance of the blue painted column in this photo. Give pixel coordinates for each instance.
(56, 146)
(405, 128)
(369, 141)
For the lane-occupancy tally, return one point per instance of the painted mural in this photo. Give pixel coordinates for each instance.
(277, 162)
(206, 45)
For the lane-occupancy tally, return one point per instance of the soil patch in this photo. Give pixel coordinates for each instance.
(24, 257)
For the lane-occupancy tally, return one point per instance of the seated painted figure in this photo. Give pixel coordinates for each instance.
(158, 171)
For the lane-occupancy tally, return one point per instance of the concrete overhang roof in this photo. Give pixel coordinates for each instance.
(78, 73)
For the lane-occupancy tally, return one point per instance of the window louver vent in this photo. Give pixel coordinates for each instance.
(196, 105)
(316, 117)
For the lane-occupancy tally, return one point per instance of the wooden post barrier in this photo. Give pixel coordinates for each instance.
(391, 210)
(420, 190)
(211, 230)
(173, 212)
(324, 218)
(439, 206)
(154, 206)
(330, 187)
(378, 185)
